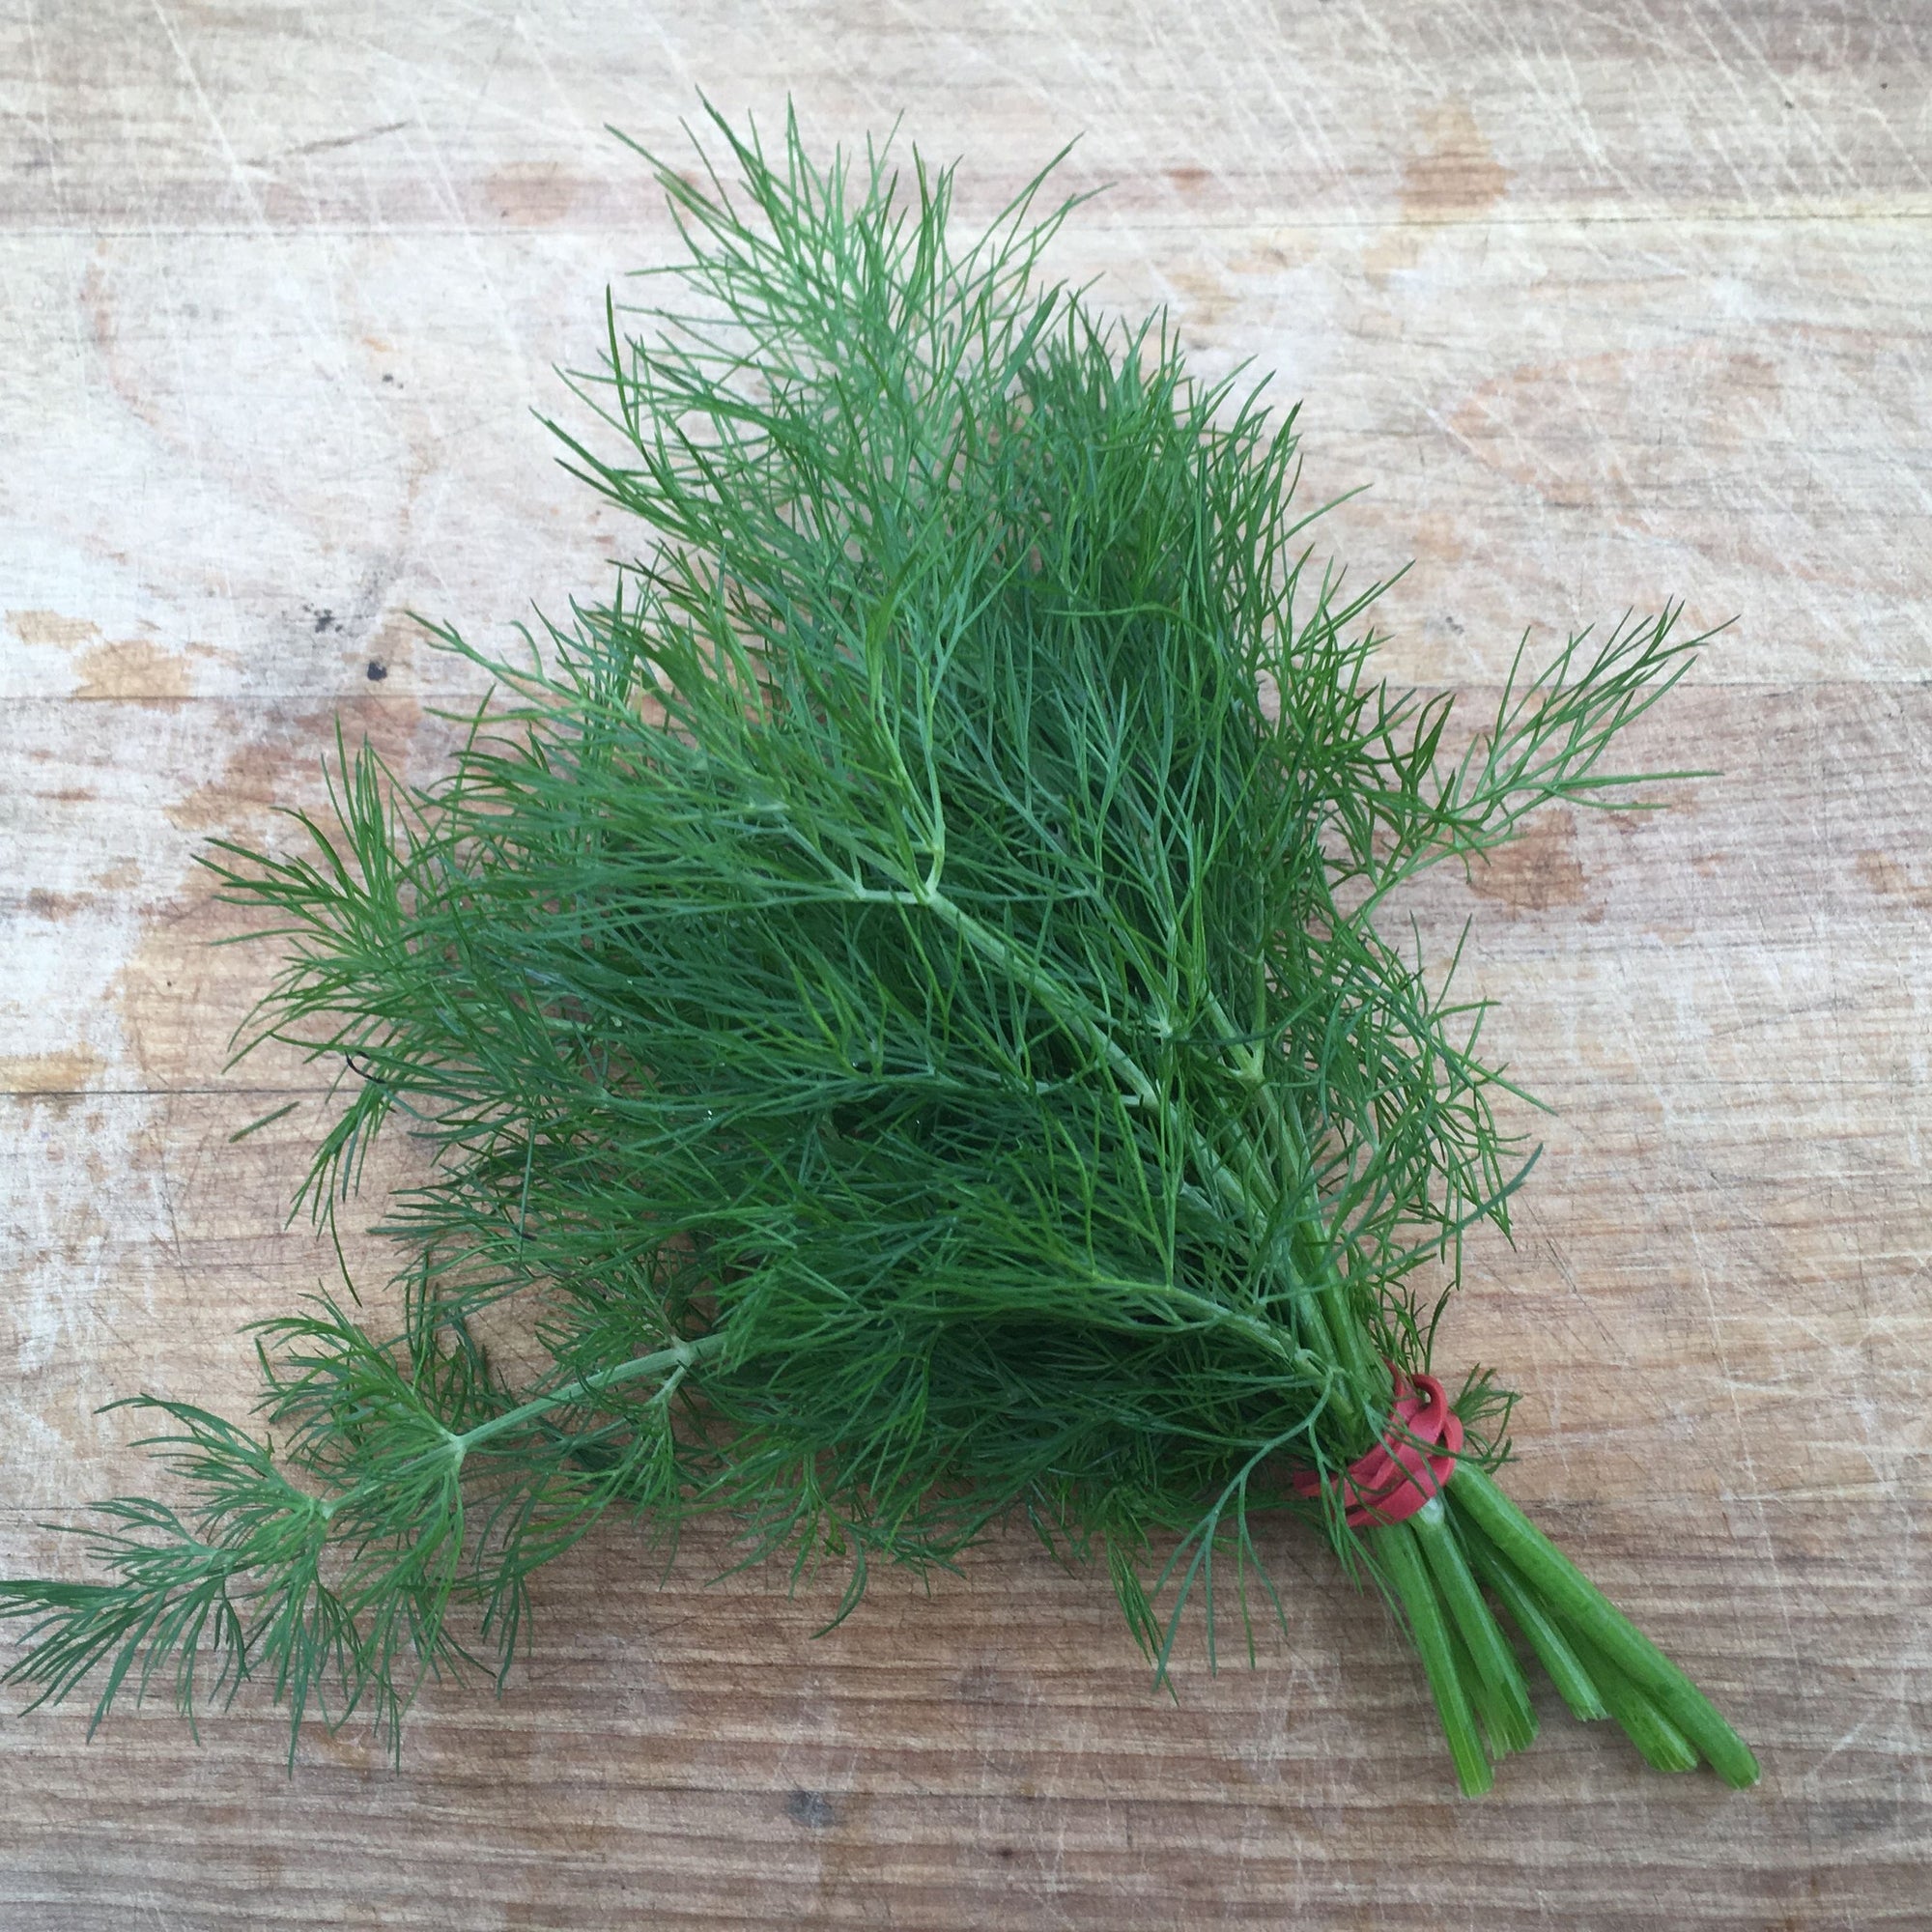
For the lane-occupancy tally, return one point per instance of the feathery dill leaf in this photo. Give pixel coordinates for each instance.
(896, 991)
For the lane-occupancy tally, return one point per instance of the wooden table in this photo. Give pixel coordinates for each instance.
(1611, 304)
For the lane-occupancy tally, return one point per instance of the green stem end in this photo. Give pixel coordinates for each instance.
(1436, 1565)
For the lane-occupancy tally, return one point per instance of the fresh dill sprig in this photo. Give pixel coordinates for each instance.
(895, 992)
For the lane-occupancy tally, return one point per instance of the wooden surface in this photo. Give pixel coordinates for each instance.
(1608, 303)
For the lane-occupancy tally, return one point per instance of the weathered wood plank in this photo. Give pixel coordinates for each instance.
(1610, 305)
(1716, 1223)
(1726, 413)
(358, 118)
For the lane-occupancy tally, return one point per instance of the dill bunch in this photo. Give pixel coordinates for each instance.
(896, 998)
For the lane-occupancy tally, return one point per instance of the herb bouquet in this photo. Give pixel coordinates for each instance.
(896, 997)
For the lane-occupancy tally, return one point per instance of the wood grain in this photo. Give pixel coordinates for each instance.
(1610, 305)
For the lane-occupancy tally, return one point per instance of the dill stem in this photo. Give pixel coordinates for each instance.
(676, 1359)
(1324, 1308)
(1497, 1669)
(1659, 1741)
(1398, 1550)
(1553, 1649)
(1333, 1335)
(1073, 1014)
(670, 1363)
(1590, 1614)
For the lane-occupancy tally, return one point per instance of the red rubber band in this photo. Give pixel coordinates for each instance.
(1401, 1474)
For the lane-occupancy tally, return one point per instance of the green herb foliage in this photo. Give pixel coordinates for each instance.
(898, 993)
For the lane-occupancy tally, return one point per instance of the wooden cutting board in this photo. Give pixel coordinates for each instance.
(1610, 305)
